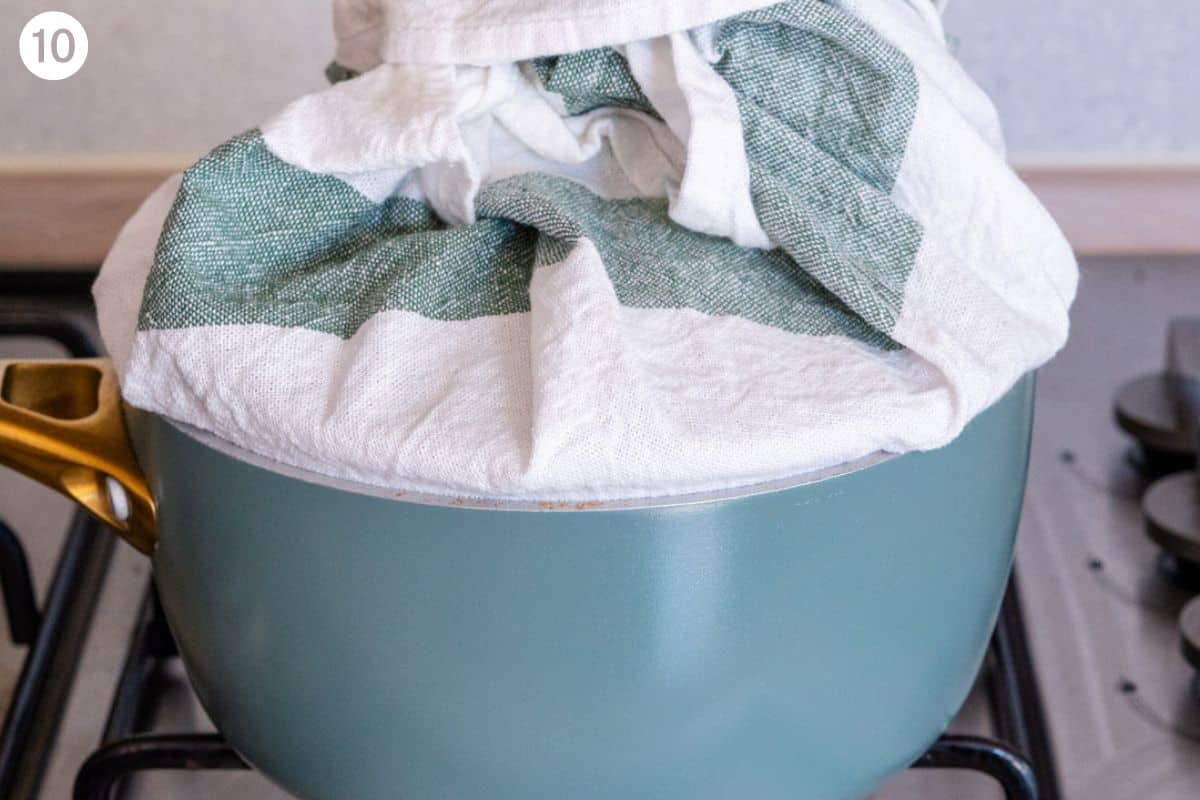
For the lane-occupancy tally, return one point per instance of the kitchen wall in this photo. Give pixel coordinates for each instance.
(1097, 78)
(1090, 79)
(163, 76)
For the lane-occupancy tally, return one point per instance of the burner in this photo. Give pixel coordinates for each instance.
(1172, 509)
(1163, 412)
(1189, 626)
(1180, 572)
(1145, 409)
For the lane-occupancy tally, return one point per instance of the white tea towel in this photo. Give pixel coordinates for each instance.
(370, 32)
(776, 242)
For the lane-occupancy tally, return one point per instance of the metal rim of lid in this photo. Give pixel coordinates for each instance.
(466, 501)
(1143, 409)
(1171, 507)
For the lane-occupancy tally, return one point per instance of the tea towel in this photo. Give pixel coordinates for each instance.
(770, 243)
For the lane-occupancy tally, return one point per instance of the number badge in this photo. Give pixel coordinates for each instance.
(53, 45)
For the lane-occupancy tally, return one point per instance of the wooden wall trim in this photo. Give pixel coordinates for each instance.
(65, 212)
(1122, 208)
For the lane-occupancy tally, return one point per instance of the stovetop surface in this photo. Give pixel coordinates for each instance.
(1103, 623)
(1123, 711)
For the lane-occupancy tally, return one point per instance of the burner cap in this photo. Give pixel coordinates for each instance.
(1179, 572)
(1172, 509)
(1145, 410)
(1189, 626)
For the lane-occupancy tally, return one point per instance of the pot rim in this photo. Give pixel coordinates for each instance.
(735, 492)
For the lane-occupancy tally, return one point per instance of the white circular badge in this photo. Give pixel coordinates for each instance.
(53, 45)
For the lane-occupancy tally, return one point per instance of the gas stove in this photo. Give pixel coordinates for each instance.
(1088, 689)
(1105, 600)
(133, 743)
(1161, 412)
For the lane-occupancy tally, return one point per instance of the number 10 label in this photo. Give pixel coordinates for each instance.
(53, 45)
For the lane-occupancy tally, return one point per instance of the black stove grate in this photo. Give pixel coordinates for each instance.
(129, 747)
(54, 633)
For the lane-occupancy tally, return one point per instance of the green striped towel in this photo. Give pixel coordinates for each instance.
(764, 245)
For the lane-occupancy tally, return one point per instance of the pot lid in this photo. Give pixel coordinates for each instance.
(141, 419)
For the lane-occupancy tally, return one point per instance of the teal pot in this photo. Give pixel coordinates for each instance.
(804, 639)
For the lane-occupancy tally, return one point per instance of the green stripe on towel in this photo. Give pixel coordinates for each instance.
(827, 106)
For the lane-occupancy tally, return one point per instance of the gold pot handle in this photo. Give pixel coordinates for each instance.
(62, 423)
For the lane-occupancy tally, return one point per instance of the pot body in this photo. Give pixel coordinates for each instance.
(801, 643)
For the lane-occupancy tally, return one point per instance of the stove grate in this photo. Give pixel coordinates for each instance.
(55, 632)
